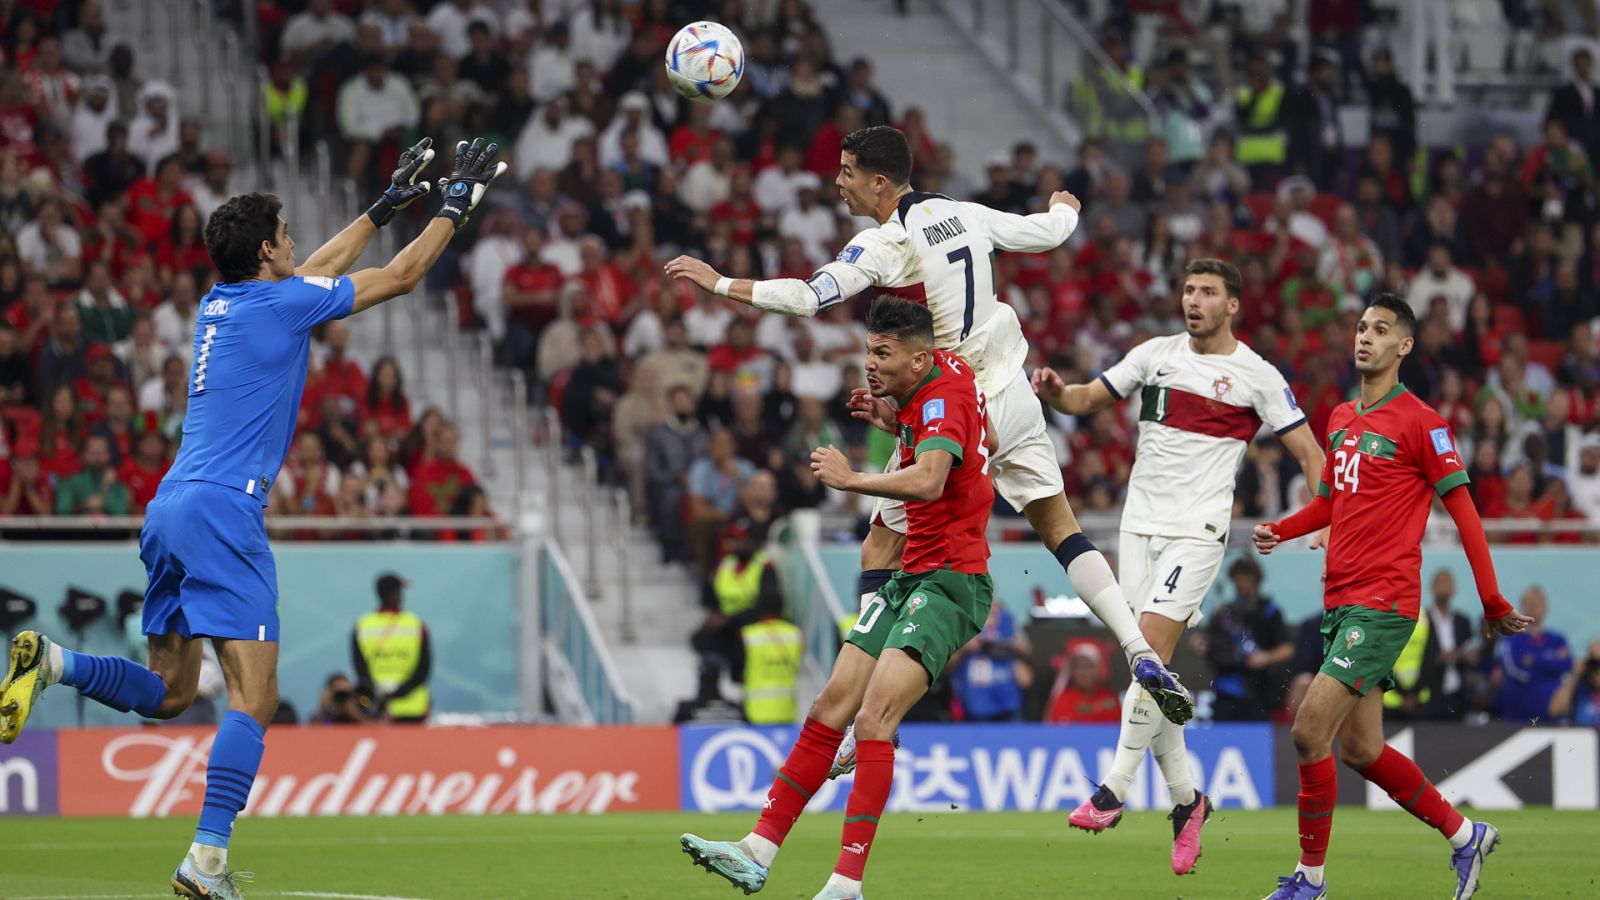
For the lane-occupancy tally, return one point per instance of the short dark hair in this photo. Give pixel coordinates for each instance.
(882, 150)
(1227, 271)
(1404, 316)
(236, 230)
(900, 319)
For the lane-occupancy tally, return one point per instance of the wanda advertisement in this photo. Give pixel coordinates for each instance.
(360, 771)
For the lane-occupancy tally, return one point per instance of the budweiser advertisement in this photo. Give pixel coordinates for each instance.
(359, 771)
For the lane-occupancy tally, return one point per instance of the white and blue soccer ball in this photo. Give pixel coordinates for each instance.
(705, 61)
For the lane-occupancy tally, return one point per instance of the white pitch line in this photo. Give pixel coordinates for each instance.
(320, 895)
(330, 896)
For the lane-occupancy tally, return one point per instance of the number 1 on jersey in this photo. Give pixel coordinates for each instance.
(963, 255)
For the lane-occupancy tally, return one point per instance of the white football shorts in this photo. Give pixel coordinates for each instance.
(1168, 576)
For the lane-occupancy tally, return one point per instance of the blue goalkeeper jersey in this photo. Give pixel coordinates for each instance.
(251, 343)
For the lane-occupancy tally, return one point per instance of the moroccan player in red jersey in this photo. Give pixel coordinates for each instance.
(1388, 454)
(935, 604)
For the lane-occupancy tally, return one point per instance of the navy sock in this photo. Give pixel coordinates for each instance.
(231, 770)
(119, 683)
(1073, 547)
(870, 580)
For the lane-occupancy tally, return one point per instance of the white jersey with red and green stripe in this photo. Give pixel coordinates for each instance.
(939, 252)
(1197, 413)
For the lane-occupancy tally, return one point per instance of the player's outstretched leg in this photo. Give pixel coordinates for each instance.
(1091, 576)
(745, 863)
(1403, 781)
(231, 770)
(36, 662)
(867, 584)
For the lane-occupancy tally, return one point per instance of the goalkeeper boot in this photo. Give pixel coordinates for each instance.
(844, 761)
(27, 675)
(730, 859)
(1172, 698)
(188, 881)
(1097, 813)
(1468, 861)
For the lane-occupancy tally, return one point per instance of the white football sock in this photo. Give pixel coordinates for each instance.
(208, 859)
(1313, 873)
(1091, 577)
(762, 849)
(848, 885)
(1139, 727)
(58, 661)
(1173, 758)
(1463, 835)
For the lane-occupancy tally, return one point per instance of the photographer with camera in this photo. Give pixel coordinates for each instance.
(990, 674)
(1577, 701)
(342, 703)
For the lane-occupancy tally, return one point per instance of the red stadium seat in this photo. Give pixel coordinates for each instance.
(1508, 319)
(1323, 206)
(1260, 206)
(1546, 353)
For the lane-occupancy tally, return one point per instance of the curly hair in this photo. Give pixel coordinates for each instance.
(236, 231)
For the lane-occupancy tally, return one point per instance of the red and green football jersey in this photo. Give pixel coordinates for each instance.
(946, 411)
(1385, 464)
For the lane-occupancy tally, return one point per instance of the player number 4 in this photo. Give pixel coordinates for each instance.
(1346, 470)
(1171, 583)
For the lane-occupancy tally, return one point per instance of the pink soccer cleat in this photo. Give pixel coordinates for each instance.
(1098, 813)
(1186, 824)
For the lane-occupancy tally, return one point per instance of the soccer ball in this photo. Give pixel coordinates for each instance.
(704, 61)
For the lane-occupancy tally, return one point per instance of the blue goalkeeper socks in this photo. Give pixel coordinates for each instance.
(231, 770)
(119, 683)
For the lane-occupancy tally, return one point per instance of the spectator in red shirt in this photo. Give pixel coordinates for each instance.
(111, 239)
(387, 412)
(1080, 694)
(154, 201)
(184, 245)
(739, 352)
(308, 482)
(739, 213)
(143, 469)
(529, 296)
(61, 435)
(471, 503)
(822, 156)
(95, 387)
(436, 483)
(692, 141)
(117, 425)
(25, 489)
(1519, 502)
(614, 296)
(339, 375)
(31, 315)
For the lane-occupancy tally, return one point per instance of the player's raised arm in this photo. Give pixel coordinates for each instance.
(1034, 233)
(343, 249)
(831, 284)
(1072, 399)
(1303, 446)
(922, 481)
(475, 168)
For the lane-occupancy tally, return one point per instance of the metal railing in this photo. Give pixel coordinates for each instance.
(573, 643)
(1041, 48)
(392, 527)
(812, 603)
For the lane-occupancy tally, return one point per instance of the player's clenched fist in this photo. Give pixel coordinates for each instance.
(1067, 197)
(1265, 537)
(831, 468)
(876, 411)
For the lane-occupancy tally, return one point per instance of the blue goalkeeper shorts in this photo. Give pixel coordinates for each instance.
(204, 548)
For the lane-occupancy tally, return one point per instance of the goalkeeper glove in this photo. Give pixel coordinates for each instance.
(402, 187)
(475, 167)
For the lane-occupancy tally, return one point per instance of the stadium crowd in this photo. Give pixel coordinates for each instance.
(705, 412)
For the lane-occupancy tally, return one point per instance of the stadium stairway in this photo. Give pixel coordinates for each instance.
(925, 60)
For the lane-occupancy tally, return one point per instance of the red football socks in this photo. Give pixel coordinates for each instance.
(1319, 792)
(802, 774)
(1406, 785)
(874, 776)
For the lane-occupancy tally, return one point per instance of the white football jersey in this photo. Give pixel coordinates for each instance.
(1197, 413)
(940, 252)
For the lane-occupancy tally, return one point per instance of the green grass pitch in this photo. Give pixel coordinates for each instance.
(635, 856)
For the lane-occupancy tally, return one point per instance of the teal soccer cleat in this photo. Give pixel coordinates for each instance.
(188, 881)
(730, 859)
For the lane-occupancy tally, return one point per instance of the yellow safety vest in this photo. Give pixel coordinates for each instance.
(737, 585)
(1261, 141)
(1408, 668)
(771, 670)
(1104, 110)
(391, 643)
(847, 624)
(279, 101)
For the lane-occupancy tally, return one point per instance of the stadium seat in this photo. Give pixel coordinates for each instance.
(1508, 318)
(1323, 206)
(1546, 353)
(1260, 205)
